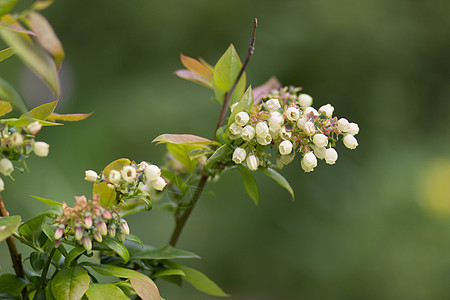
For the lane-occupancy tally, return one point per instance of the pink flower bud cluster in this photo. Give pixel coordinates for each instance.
(16, 144)
(88, 221)
(285, 119)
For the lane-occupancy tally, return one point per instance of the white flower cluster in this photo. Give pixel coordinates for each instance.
(16, 144)
(130, 177)
(286, 120)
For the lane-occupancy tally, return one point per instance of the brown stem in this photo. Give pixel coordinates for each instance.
(181, 220)
(227, 98)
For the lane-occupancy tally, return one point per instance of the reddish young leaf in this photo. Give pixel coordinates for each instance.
(196, 67)
(186, 139)
(145, 288)
(192, 76)
(211, 68)
(266, 88)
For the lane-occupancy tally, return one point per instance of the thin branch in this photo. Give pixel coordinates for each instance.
(227, 98)
(44, 273)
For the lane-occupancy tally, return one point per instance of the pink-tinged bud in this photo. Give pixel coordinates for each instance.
(107, 215)
(34, 127)
(101, 227)
(112, 230)
(88, 221)
(79, 231)
(87, 243)
(121, 237)
(124, 227)
(98, 236)
(59, 232)
(57, 243)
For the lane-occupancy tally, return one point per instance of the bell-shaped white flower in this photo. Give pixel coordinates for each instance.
(16, 139)
(114, 177)
(41, 149)
(310, 110)
(142, 165)
(327, 109)
(343, 125)
(248, 133)
(264, 141)
(285, 147)
(252, 162)
(152, 172)
(319, 152)
(128, 173)
(353, 129)
(274, 133)
(34, 127)
(235, 129)
(310, 129)
(292, 113)
(272, 105)
(276, 120)
(239, 155)
(90, 176)
(320, 140)
(2, 185)
(6, 166)
(262, 129)
(284, 134)
(350, 141)
(233, 106)
(305, 100)
(309, 162)
(331, 156)
(242, 118)
(301, 122)
(159, 183)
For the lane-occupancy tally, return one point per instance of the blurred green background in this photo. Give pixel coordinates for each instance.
(374, 226)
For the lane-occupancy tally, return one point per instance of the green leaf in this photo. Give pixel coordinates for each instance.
(110, 270)
(134, 238)
(31, 229)
(145, 288)
(194, 154)
(5, 107)
(183, 139)
(107, 195)
(8, 225)
(70, 284)
(8, 93)
(250, 183)
(225, 74)
(279, 179)
(105, 291)
(26, 121)
(68, 117)
(12, 284)
(50, 233)
(48, 291)
(117, 247)
(32, 56)
(199, 280)
(6, 53)
(245, 104)
(42, 112)
(46, 201)
(223, 153)
(166, 252)
(181, 153)
(175, 179)
(6, 6)
(37, 260)
(41, 4)
(74, 253)
(169, 272)
(46, 37)
(126, 288)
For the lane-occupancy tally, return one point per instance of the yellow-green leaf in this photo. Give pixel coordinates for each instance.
(8, 93)
(41, 4)
(6, 6)
(250, 184)
(5, 107)
(105, 291)
(107, 195)
(42, 112)
(70, 284)
(5, 53)
(68, 117)
(8, 225)
(244, 104)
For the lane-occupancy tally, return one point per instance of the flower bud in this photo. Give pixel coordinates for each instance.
(41, 149)
(57, 243)
(124, 227)
(327, 110)
(97, 236)
(305, 100)
(242, 118)
(350, 141)
(264, 141)
(106, 214)
(59, 232)
(343, 125)
(248, 133)
(310, 110)
(16, 139)
(275, 120)
(272, 105)
(87, 220)
(112, 230)
(319, 152)
(353, 129)
(285, 147)
(331, 156)
(320, 140)
(301, 123)
(6, 166)
(128, 174)
(235, 129)
(143, 187)
(101, 227)
(79, 231)
(90, 176)
(114, 176)
(262, 130)
(287, 159)
(152, 172)
(239, 155)
(142, 165)
(292, 113)
(252, 162)
(34, 127)
(310, 129)
(87, 243)
(233, 106)
(159, 183)
(285, 135)
(121, 237)
(2, 185)
(309, 162)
